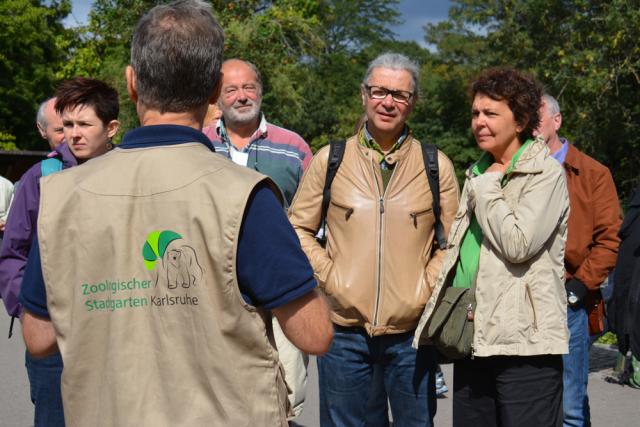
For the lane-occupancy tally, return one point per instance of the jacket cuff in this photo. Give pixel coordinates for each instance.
(576, 287)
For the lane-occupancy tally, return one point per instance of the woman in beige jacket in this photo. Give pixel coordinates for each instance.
(508, 237)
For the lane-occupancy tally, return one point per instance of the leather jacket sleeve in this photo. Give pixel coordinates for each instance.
(606, 224)
(305, 211)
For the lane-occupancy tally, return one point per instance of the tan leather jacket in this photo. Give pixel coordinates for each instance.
(521, 302)
(381, 261)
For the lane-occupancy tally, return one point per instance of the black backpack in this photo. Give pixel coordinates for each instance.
(430, 158)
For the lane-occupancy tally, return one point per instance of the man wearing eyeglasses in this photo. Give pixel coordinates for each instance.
(380, 260)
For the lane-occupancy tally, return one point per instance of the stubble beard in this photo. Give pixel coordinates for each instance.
(234, 117)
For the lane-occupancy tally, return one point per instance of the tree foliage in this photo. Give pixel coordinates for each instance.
(584, 51)
(31, 41)
(313, 55)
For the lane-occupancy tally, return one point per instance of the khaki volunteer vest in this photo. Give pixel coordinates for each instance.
(139, 258)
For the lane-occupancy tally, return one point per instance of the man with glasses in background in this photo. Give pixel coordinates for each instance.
(381, 258)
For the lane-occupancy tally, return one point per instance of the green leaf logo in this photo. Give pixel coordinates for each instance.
(156, 245)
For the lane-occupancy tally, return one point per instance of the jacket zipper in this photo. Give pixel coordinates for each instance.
(379, 249)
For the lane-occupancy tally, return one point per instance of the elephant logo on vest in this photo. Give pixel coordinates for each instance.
(178, 264)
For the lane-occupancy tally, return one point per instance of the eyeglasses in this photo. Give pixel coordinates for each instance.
(379, 92)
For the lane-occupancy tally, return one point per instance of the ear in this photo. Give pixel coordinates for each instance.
(42, 131)
(131, 83)
(557, 121)
(363, 94)
(112, 128)
(523, 124)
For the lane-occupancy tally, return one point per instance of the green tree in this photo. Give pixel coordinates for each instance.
(585, 52)
(31, 36)
(309, 53)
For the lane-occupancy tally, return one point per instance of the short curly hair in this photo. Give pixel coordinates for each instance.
(521, 91)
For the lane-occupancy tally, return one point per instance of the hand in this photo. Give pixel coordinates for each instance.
(576, 292)
(498, 167)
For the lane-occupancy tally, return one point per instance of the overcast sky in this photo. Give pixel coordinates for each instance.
(415, 14)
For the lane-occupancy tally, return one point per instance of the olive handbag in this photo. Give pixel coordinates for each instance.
(451, 326)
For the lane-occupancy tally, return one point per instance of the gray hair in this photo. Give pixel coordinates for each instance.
(176, 54)
(394, 61)
(551, 103)
(252, 66)
(41, 117)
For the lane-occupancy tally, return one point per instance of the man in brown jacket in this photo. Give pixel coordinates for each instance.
(592, 247)
(380, 261)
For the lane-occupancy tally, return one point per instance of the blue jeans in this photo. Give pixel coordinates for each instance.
(377, 408)
(346, 379)
(576, 370)
(44, 379)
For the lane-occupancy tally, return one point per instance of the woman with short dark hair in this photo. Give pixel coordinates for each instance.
(89, 109)
(508, 240)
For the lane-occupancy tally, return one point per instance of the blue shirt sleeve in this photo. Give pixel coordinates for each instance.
(33, 295)
(272, 269)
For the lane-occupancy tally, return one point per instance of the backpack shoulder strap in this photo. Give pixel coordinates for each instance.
(49, 166)
(336, 152)
(430, 158)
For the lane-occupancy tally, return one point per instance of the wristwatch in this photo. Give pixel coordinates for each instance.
(572, 298)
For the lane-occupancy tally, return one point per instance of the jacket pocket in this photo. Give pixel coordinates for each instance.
(418, 216)
(530, 314)
(342, 211)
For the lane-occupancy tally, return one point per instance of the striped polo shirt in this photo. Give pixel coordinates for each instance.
(274, 151)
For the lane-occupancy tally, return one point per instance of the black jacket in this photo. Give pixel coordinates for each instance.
(624, 308)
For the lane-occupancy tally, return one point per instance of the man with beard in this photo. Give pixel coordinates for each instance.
(244, 135)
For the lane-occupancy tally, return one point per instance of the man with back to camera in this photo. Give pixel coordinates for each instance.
(591, 251)
(381, 258)
(243, 134)
(161, 320)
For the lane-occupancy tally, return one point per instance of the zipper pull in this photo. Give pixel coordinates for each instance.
(381, 205)
(414, 216)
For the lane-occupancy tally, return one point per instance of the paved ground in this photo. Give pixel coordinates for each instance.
(612, 405)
